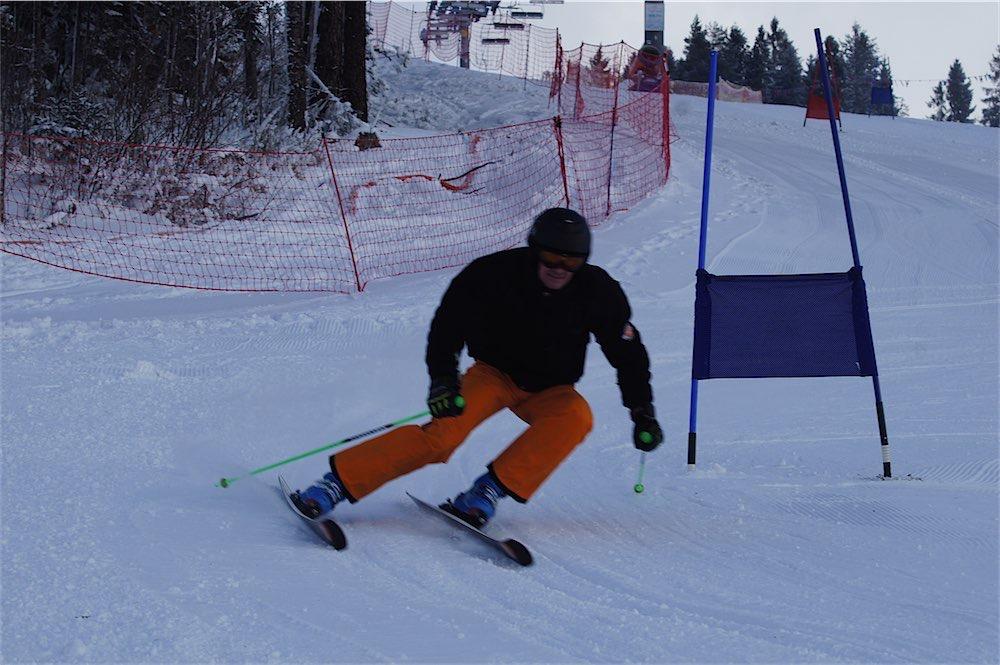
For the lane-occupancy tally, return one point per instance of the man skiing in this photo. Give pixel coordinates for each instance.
(526, 316)
(647, 69)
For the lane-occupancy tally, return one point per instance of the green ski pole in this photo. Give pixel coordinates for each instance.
(226, 482)
(645, 437)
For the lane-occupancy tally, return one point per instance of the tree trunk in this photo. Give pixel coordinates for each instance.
(330, 51)
(355, 66)
(297, 53)
(250, 49)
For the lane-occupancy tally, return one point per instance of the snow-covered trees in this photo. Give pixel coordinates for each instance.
(787, 84)
(861, 63)
(695, 64)
(951, 99)
(598, 70)
(937, 103)
(187, 73)
(959, 94)
(991, 102)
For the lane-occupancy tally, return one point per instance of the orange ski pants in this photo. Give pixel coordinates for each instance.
(558, 418)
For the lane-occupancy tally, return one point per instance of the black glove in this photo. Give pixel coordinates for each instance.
(647, 434)
(444, 400)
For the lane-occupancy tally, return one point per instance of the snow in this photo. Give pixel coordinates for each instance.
(123, 405)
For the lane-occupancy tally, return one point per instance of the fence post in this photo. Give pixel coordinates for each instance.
(527, 59)
(343, 215)
(614, 123)
(558, 71)
(578, 100)
(665, 113)
(3, 183)
(557, 122)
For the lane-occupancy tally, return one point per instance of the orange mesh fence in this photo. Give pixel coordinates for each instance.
(337, 217)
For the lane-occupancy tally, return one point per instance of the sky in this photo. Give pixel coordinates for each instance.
(921, 39)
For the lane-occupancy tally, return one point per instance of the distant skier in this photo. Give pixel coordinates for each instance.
(647, 69)
(526, 316)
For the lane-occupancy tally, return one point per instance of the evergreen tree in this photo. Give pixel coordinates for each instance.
(991, 102)
(786, 68)
(861, 64)
(717, 36)
(598, 73)
(937, 103)
(734, 57)
(759, 65)
(812, 71)
(834, 58)
(958, 92)
(671, 63)
(695, 65)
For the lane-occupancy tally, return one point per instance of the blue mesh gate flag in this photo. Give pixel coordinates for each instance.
(881, 96)
(758, 326)
(763, 326)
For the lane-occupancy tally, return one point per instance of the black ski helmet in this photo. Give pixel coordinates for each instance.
(651, 50)
(562, 231)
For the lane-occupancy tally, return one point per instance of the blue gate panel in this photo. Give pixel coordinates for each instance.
(758, 326)
(881, 96)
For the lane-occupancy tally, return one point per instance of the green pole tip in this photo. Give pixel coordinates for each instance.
(645, 437)
(459, 401)
(639, 488)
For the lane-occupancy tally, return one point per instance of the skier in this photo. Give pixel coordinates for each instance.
(647, 69)
(526, 316)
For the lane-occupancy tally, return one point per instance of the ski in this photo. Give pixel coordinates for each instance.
(509, 548)
(325, 528)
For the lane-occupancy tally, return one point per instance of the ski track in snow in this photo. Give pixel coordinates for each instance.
(123, 403)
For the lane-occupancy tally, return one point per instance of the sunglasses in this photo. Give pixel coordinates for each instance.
(555, 261)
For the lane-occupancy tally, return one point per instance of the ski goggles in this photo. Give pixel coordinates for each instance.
(555, 261)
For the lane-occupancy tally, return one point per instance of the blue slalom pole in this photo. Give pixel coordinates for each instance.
(703, 239)
(828, 94)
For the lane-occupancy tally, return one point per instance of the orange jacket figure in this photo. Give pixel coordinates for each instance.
(525, 316)
(647, 69)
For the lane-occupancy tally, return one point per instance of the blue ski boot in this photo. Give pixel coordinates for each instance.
(320, 498)
(478, 504)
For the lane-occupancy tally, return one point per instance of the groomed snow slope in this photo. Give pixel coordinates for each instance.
(123, 404)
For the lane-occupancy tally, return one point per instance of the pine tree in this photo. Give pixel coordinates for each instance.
(786, 68)
(734, 57)
(717, 35)
(958, 92)
(671, 63)
(860, 62)
(695, 65)
(598, 73)
(937, 103)
(834, 58)
(991, 102)
(759, 65)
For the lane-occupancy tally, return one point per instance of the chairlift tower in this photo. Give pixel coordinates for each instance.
(446, 17)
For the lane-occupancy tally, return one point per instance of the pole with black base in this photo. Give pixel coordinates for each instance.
(879, 408)
(703, 239)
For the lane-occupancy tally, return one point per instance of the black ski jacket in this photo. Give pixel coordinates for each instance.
(499, 308)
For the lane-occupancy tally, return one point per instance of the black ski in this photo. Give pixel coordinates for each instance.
(510, 548)
(325, 528)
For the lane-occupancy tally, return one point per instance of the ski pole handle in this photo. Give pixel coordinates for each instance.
(226, 482)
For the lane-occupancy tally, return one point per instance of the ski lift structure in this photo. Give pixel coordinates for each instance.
(512, 20)
(537, 12)
(446, 18)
